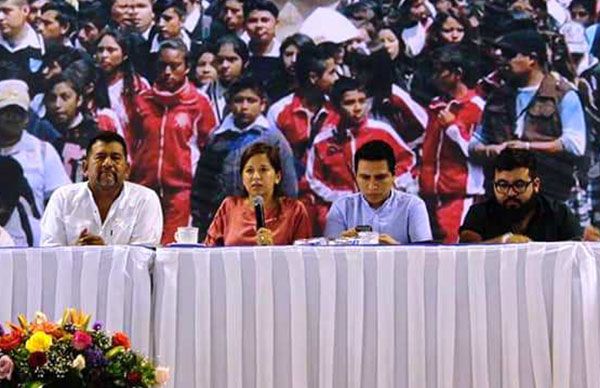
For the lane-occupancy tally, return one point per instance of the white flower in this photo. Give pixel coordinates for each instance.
(162, 375)
(79, 363)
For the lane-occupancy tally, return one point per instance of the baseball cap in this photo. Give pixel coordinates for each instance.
(14, 92)
(574, 34)
(523, 42)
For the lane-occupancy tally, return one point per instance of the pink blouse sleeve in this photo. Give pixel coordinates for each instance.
(216, 232)
(302, 225)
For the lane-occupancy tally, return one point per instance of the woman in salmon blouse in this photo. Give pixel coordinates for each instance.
(286, 219)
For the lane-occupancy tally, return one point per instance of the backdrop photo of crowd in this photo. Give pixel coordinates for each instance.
(122, 121)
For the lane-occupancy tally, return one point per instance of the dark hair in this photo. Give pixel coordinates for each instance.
(85, 72)
(311, 59)
(94, 12)
(65, 77)
(299, 40)
(272, 153)
(175, 44)
(197, 52)
(106, 137)
(245, 83)
(376, 150)
(162, 5)
(449, 58)
(435, 34)
(239, 47)
(510, 159)
(587, 5)
(343, 85)
(260, 5)
(66, 14)
(123, 39)
(62, 55)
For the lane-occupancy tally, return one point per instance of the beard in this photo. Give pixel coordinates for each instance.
(518, 213)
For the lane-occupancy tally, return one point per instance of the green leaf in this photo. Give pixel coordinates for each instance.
(35, 384)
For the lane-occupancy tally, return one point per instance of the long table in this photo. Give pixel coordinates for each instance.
(349, 317)
(333, 317)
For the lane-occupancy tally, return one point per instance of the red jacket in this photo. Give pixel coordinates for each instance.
(330, 170)
(296, 121)
(405, 115)
(445, 167)
(169, 130)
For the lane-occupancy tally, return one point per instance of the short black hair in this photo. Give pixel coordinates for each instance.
(298, 39)
(162, 5)
(106, 137)
(175, 44)
(311, 59)
(511, 159)
(66, 14)
(245, 83)
(260, 5)
(448, 58)
(239, 47)
(93, 12)
(376, 150)
(343, 85)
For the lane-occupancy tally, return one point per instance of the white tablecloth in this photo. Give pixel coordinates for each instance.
(350, 317)
(111, 283)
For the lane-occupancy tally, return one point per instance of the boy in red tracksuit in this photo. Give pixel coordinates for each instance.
(302, 115)
(448, 181)
(329, 169)
(171, 126)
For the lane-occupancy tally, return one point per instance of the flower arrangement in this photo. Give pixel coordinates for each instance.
(67, 354)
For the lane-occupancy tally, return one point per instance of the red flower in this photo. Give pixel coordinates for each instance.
(10, 341)
(134, 377)
(37, 359)
(81, 340)
(121, 339)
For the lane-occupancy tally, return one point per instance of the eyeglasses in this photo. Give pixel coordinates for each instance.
(519, 186)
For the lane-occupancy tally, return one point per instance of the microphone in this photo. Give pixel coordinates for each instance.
(259, 211)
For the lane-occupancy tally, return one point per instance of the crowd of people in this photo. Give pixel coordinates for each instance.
(122, 120)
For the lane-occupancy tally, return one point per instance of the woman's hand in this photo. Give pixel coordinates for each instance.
(264, 237)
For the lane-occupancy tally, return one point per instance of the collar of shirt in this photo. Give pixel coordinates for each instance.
(383, 208)
(260, 124)
(146, 34)
(191, 20)
(155, 45)
(119, 202)
(26, 143)
(29, 39)
(273, 52)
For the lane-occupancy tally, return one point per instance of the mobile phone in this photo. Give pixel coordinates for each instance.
(363, 228)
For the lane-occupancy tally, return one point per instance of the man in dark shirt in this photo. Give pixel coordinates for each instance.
(518, 212)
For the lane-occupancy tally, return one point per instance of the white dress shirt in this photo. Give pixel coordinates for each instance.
(135, 217)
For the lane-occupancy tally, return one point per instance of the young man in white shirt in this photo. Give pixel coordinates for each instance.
(105, 210)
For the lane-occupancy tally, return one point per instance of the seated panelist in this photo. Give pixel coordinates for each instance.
(398, 217)
(519, 212)
(262, 215)
(105, 210)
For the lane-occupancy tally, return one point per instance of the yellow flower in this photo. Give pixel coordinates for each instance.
(76, 318)
(38, 342)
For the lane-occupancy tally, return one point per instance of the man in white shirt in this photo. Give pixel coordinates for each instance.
(105, 210)
(30, 169)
